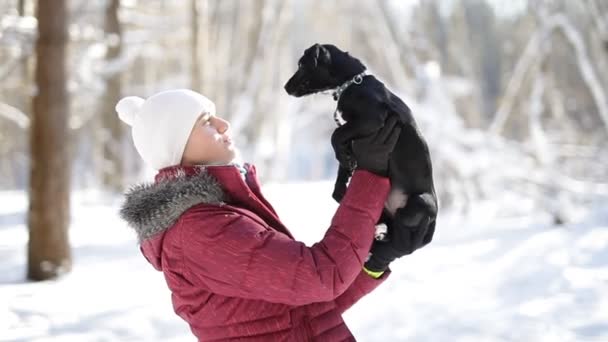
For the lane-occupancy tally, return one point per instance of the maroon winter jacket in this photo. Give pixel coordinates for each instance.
(235, 271)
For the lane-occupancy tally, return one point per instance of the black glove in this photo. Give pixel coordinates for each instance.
(404, 237)
(372, 153)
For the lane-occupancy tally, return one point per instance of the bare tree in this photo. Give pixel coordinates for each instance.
(195, 72)
(49, 252)
(111, 132)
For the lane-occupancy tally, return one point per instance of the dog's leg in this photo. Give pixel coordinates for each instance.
(341, 142)
(418, 207)
(340, 186)
(428, 237)
(418, 218)
(429, 201)
(397, 198)
(413, 225)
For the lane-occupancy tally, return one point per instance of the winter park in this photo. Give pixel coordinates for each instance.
(304, 170)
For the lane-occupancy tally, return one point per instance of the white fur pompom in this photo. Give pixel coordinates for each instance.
(128, 107)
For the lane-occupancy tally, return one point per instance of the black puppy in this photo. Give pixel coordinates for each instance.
(365, 103)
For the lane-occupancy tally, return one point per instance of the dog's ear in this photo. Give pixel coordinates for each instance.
(322, 55)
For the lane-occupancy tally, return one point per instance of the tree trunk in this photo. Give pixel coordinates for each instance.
(49, 252)
(112, 130)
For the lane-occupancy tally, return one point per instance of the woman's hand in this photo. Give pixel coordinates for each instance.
(372, 153)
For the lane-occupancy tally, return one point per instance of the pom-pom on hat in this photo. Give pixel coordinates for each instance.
(162, 123)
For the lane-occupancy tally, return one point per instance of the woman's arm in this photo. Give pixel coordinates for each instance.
(362, 285)
(237, 256)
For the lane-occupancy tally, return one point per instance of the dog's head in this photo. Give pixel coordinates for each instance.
(322, 67)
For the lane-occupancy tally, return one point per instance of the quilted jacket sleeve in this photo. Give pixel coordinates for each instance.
(235, 255)
(362, 285)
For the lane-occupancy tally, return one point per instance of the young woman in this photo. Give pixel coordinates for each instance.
(234, 270)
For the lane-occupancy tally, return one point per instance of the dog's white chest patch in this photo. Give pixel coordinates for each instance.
(338, 118)
(396, 199)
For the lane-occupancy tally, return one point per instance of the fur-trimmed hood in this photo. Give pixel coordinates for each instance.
(152, 208)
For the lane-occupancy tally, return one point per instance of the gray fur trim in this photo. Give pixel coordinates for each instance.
(152, 208)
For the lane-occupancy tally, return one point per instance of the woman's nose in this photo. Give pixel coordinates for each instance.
(221, 125)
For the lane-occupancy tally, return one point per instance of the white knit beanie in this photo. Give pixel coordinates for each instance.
(161, 124)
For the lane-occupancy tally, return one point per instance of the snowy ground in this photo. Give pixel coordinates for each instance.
(481, 279)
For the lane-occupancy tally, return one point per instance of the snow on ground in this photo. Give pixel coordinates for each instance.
(516, 279)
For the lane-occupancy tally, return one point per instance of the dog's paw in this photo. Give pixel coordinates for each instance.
(381, 233)
(339, 192)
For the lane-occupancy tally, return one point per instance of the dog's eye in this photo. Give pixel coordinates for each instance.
(299, 64)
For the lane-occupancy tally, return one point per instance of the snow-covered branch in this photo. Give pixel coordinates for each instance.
(533, 53)
(585, 65)
(14, 115)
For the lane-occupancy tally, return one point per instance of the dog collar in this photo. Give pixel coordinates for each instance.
(357, 79)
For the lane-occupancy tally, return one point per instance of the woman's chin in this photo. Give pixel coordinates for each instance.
(235, 156)
(229, 156)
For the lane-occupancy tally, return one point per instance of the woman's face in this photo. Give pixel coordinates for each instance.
(209, 142)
